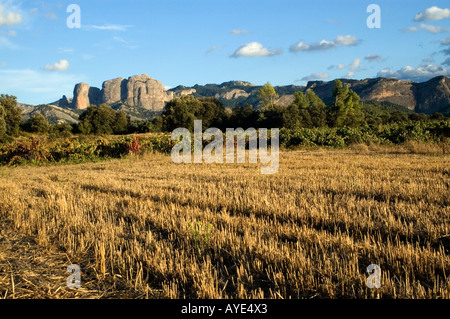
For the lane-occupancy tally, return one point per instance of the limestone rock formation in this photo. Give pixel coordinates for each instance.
(114, 91)
(145, 92)
(81, 96)
(138, 91)
(233, 94)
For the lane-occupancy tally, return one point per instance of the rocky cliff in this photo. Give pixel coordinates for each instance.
(137, 91)
(143, 92)
(427, 97)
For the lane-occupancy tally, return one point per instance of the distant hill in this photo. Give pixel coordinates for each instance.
(236, 93)
(143, 98)
(427, 97)
(53, 113)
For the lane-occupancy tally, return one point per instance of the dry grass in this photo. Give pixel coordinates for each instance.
(147, 228)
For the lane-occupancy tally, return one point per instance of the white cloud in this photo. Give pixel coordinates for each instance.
(109, 27)
(355, 65)
(316, 46)
(2, 64)
(349, 75)
(12, 33)
(316, 76)
(62, 65)
(341, 66)
(373, 57)
(346, 40)
(432, 14)
(340, 40)
(433, 28)
(445, 41)
(410, 29)
(423, 72)
(253, 49)
(9, 18)
(239, 32)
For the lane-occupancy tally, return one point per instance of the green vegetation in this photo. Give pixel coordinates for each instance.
(308, 121)
(10, 116)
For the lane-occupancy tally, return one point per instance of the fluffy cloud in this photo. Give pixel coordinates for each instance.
(426, 27)
(423, 72)
(432, 14)
(355, 65)
(253, 49)
(445, 41)
(9, 18)
(373, 58)
(349, 75)
(346, 40)
(239, 32)
(410, 29)
(433, 28)
(316, 76)
(340, 40)
(317, 46)
(62, 65)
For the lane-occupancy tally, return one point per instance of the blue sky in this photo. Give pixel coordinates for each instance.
(210, 41)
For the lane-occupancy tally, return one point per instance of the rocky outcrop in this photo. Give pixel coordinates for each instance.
(183, 92)
(427, 97)
(145, 92)
(81, 96)
(433, 96)
(138, 91)
(114, 91)
(233, 94)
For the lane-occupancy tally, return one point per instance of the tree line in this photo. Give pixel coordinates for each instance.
(307, 111)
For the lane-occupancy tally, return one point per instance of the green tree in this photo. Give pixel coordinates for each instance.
(316, 109)
(61, 130)
(120, 124)
(12, 114)
(307, 110)
(292, 117)
(267, 95)
(39, 124)
(347, 109)
(2, 122)
(102, 119)
(181, 112)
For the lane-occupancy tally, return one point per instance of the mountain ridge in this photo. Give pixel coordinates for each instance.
(144, 97)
